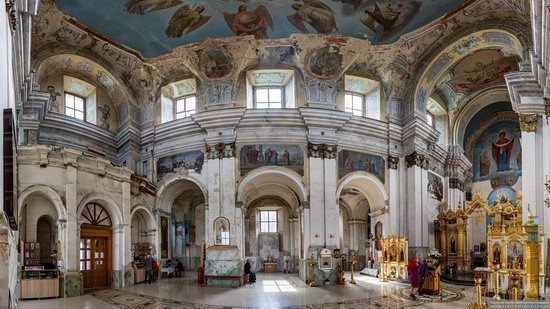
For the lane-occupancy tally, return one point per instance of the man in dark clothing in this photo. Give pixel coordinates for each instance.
(248, 271)
(148, 268)
(179, 268)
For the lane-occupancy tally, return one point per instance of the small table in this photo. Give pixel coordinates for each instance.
(485, 273)
(270, 267)
(167, 270)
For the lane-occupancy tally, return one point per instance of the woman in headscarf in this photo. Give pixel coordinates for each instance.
(414, 276)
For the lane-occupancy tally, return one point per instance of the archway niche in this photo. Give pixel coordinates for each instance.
(183, 203)
(282, 191)
(269, 232)
(143, 232)
(362, 200)
(38, 219)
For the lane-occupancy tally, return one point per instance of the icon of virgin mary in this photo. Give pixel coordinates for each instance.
(502, 151)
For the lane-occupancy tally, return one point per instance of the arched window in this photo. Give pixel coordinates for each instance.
(95, 214)
(80, 99)
(271, 89)
(178, 100)
(436, 116)
(362, 97)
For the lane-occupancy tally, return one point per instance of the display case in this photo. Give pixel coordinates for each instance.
(36, 283)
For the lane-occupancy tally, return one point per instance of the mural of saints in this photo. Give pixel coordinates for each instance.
(502, 151)
(141, 6)
(246, 22)
(484, 165)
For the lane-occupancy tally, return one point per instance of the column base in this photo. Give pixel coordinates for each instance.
(71, 284)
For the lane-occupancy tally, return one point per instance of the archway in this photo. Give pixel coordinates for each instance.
(271, 197)
(364, 197)
(143, 231)
(182, 201)
(41, 217)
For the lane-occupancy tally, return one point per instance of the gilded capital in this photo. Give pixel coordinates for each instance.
(528, 123)
(10, 12)
(417, 159)
(322, 151)
(393, 162)
(547, 107)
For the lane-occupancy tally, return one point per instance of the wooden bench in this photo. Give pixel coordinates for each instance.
(232, 278)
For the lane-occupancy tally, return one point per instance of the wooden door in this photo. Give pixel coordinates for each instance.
(95, 258)
(44, 237)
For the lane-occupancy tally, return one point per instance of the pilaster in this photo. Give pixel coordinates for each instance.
(393, 198)
(416, 195)
(324, 207)
(533, 174)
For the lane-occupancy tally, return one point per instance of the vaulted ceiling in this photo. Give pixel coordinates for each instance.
(154, 27)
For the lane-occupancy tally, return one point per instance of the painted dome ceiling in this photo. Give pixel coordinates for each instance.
(154, 27)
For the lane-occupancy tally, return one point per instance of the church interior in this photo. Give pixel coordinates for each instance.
(281, 154)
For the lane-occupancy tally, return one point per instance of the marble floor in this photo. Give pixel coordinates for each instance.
(270, 291)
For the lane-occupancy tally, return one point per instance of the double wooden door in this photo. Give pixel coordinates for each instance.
(95, 257)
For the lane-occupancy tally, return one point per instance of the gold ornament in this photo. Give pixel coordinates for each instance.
(10, 11)
(479, 218)
(528, 123)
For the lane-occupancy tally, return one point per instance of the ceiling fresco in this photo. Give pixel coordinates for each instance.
(154, 27)
(481, 70)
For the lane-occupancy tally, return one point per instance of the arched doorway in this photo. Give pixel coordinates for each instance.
(95, 246)
(182, 203)
(273, 226)
(45, 237)
(364, 198)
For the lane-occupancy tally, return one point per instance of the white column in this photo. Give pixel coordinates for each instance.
(214, 199)
(72, 245)
(393, 201)
(316, 203)
(127, 221)
(332, 209)
(414, 206)
(529, 166)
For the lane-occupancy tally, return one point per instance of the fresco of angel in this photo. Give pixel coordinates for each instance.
(315, 13)
(186, 18)
(246, 22)
(142, 6)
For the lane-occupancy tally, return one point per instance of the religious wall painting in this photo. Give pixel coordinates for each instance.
(385, 19)
(497, 153)
(481, 70)
(249, 22)
(186, 19)
(497, 253)
(313, 15)
(192, 160)
(280, 54)
(514, 254)
(289, 156)
(164, 237)
(502, 193)
(435, 186)
(352, 161)
(221, 230)
(326, 62)
(378, 235)
(155, 27)
(215, 63)
(452, 245)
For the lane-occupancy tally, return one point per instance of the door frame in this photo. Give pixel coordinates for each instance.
(98, 232)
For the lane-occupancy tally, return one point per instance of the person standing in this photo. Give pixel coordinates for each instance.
(148, 268)
(155, 269)
(248, 271)
(414, 276)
